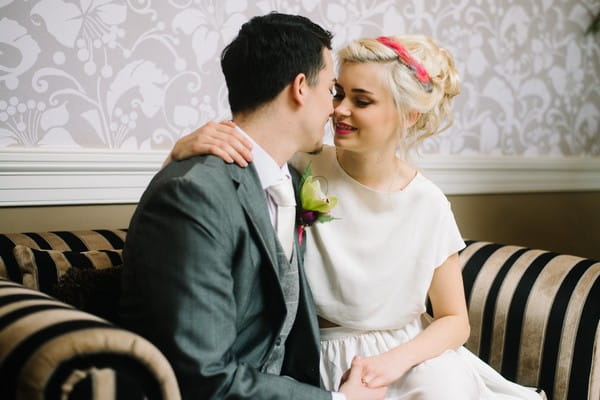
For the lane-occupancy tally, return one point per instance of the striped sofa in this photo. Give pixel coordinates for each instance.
(52, 350)
(534, 317)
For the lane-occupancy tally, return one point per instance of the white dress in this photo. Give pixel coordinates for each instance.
(370, 270)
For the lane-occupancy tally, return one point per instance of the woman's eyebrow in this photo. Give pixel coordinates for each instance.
(355, 90)
(359, 90)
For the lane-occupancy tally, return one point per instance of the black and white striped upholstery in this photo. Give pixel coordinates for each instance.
(76, 241)
(49, 350)
(535, 317)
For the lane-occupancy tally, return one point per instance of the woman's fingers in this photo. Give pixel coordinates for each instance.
(220, 139)
(366, 379)
(233, 155)
(229, 139)
(237, 140)
(238, 147)
(375, 382)
(225, 147)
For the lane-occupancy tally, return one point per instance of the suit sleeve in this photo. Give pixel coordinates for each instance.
(182, 239)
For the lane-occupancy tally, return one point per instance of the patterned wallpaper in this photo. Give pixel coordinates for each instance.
(137, 74)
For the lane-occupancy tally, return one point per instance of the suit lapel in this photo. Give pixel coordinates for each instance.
(252, 199)
(305, 331)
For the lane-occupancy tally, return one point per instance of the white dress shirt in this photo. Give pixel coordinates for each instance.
(268, 171)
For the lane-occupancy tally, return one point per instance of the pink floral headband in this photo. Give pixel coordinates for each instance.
(405, 58)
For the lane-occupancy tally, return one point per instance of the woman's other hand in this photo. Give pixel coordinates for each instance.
(220, 139)
(384, 369)
(354, 388)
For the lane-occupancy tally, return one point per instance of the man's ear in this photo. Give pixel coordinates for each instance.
(298, 89)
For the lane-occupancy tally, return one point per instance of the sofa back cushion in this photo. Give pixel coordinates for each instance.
(43, 269)
(78, 241)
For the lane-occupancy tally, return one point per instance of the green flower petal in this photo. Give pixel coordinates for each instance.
(313, 199)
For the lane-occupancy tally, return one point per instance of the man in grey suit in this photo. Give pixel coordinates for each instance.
(207, 279)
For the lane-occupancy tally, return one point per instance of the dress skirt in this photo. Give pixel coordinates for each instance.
(455, 374)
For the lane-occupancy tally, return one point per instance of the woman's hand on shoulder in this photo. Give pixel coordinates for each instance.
(220, 139)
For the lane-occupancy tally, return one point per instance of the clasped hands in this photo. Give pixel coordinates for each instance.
(369, 377)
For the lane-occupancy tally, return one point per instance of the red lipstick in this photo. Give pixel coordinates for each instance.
(343, 129)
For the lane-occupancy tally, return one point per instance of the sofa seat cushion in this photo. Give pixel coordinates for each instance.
(43, 269)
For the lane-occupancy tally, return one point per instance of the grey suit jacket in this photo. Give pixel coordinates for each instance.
(201, 282)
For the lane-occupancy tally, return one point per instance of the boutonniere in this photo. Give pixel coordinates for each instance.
(314, 204)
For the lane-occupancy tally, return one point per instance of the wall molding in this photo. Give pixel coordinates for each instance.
(31, 177)
(510, 174)
(52, 177)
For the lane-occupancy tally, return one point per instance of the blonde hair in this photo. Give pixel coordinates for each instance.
(409, 94)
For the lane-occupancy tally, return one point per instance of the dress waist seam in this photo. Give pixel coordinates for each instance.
(340, 332)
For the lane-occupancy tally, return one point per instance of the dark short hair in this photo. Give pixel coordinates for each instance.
(267, 54)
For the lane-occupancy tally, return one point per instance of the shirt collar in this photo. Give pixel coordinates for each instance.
(268, 171)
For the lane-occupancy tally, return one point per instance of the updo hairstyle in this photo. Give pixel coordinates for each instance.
(409, 93)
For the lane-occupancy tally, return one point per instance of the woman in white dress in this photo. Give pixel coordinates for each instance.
(394, 241)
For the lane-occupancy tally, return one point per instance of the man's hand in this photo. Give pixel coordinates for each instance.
(353, 387)
(220, 139)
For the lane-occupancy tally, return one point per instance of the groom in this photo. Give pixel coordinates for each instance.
(207, 278)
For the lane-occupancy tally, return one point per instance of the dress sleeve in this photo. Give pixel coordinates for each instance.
(447, 238)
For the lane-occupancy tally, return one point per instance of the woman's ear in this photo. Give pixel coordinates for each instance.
(298, 89)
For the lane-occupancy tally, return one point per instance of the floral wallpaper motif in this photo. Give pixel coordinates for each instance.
(138, 74)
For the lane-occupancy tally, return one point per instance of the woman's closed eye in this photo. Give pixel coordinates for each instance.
(362, 102)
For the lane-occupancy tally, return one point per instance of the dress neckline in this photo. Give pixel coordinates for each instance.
(353, 181)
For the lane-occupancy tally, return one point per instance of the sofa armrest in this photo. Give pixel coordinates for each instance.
(49, 349)
(534, 317)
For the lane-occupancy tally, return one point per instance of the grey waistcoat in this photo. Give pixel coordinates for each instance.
(290, 284)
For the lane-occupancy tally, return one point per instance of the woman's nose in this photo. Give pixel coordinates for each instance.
(341, 108)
